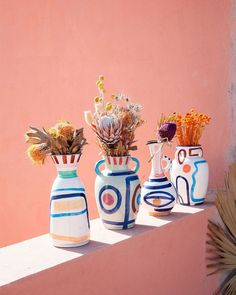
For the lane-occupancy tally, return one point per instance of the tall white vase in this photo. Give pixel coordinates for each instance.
(69, 220)
(117, 192)
(190, 173)
(158, 193)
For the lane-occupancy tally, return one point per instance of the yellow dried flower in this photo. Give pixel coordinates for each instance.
(36, 154)
(96, 99)
(108, 106)
(101, 85)
(53, 132)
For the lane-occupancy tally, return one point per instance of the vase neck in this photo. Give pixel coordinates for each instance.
(183, 152)
(66, 165)
(155, 149)
(117, 164)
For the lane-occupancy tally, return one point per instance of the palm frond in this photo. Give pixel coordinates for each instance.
(221, 245)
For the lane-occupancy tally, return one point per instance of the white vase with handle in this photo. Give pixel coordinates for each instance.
(117, 192)
(158, 193)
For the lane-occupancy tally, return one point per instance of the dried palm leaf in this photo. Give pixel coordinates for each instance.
(222, 237)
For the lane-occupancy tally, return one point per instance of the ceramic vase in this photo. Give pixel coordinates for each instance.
(158, 193)
(117, 192)
(69, 220)
(189, 173)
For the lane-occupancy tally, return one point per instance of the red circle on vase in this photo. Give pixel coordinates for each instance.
(108, 199)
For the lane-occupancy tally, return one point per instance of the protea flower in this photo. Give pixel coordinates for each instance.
(167, 131)
(109, 129)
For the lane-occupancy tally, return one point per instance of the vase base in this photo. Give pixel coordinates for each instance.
(158, 214)
(192, 205)
(59, 244)
(118, 227)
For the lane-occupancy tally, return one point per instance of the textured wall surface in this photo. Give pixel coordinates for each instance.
(169, 55)
(232, 91)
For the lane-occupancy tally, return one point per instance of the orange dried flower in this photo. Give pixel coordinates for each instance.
(64, 129)
(37, 154)
(190, 127)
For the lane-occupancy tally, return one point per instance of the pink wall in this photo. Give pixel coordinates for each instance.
(169, 55)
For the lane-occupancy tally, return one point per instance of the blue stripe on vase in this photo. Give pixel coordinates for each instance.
(69, 189)
(162, 210)
(75, 195)
(128, 180)
(154, 195)
(157, 179)
(157, 187)
(119, 223)
(120, 173)
(68, 214)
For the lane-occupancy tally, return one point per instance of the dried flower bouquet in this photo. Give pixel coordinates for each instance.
(114, 122)
(60, 139)
(189, 126)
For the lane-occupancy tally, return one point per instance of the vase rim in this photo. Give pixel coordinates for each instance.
(199, 145)
(116, 156)
(66, 154)
(154, 141)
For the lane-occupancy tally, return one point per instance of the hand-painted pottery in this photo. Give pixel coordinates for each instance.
(117, 192)
(189, 173)
(69, 221)
(158, 193)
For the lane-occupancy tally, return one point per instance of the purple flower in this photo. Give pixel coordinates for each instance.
(167, 131)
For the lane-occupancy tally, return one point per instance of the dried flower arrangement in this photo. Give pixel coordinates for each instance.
(222, 236)
(114, 122)
(60, 139)
(189, 127)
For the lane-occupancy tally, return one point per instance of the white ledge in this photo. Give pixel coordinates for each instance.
(29, 257)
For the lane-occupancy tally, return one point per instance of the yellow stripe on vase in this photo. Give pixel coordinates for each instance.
(66, 206)
(69, 239)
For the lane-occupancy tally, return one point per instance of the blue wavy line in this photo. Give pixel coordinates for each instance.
(194, 182)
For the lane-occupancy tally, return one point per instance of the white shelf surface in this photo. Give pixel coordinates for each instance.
(31, 256)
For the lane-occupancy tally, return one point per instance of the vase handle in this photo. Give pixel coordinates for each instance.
(97, 166)
(168, 163)
(137, 164)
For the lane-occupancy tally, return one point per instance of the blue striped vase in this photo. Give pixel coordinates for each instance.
(69, 220)
(117, 192)
(158, 193)
(190, 173)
